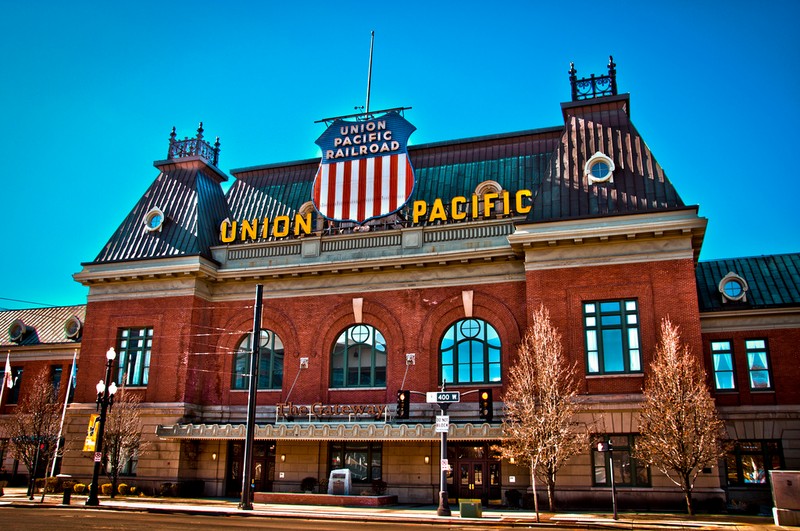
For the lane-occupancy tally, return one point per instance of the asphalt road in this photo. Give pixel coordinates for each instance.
(34, 519)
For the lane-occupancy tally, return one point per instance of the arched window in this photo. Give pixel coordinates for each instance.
(270, 367)
(470, 352)
(359, 358)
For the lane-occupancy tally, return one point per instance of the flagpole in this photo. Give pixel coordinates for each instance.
(64, 412)
(369, 72)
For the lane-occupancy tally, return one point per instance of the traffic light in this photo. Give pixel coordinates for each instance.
(402, 404)
(485, 406)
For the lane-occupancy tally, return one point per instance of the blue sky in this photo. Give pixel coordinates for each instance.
(90, 91)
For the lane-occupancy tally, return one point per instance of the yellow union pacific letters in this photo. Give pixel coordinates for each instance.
(486, 206)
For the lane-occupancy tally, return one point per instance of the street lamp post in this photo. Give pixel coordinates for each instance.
(105, 399)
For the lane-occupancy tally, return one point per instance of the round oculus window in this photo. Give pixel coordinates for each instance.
(733, 289)
(599, 168)
(153, 220)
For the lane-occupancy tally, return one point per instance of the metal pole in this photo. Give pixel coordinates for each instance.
(444, 502)
(98, 451)
(246, 503)
(64, 413)
(613, 483)
(369, 72)
(32, 482)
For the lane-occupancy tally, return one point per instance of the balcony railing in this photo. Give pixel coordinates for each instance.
(593, 86)
(193, 147)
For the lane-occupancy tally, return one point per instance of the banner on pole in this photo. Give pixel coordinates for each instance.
(90, 442)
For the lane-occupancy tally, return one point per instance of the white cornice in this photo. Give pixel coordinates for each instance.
(172, 267)
(345, 281)
(750, 319)
(637, 238)
(651, 225)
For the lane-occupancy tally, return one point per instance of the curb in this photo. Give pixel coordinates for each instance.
(400, 515)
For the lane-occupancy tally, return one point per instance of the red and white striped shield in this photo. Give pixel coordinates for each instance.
(365, 172)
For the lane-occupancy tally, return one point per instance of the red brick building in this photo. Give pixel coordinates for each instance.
(579, 217)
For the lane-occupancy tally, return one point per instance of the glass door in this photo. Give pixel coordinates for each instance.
(471, 480)
(262, 474)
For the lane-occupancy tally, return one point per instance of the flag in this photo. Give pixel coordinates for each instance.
(7, 379)
(73, 375)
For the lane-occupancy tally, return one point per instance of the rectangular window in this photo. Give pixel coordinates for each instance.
(55, 378)
(363, 459)
(749, 462)
(16, 379)
(628, 472)
(612, 337)
(722, 361)
(129, 460)
(758, 364)
(133, 359)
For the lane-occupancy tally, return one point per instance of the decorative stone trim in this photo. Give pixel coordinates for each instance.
(338, 431)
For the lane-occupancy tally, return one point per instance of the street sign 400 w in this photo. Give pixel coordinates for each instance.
(442, 397)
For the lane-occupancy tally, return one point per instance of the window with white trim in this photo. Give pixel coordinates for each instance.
(612, 337)
(758, 364)
(722, 362)
(134, 346)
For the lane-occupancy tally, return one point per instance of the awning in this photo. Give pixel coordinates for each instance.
(333, 431)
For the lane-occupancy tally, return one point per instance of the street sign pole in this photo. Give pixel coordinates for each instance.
(444, 502)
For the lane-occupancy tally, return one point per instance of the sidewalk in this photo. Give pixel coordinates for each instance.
(501, 517)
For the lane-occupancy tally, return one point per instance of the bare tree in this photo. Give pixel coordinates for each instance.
(122, 439)
(541, 404)
(33, 428)
(680, 431)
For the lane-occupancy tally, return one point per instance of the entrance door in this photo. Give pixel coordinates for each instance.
(471, 480)
(475, 473)
(262, 474)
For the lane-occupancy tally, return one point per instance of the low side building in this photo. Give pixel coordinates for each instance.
(35, 340)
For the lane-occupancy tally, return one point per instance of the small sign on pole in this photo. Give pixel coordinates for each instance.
(98, 457)
(445, 465)
(442, 423)
(442, 397)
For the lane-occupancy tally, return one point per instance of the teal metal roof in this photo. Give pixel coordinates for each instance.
(549, 162)
(773, 282)
(191, 198)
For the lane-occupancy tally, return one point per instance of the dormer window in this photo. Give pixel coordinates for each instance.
(733, 288)
(308, 208)
(493, 190)
(153, 220)
(18, 330)
(73, 328)
(599, 169)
